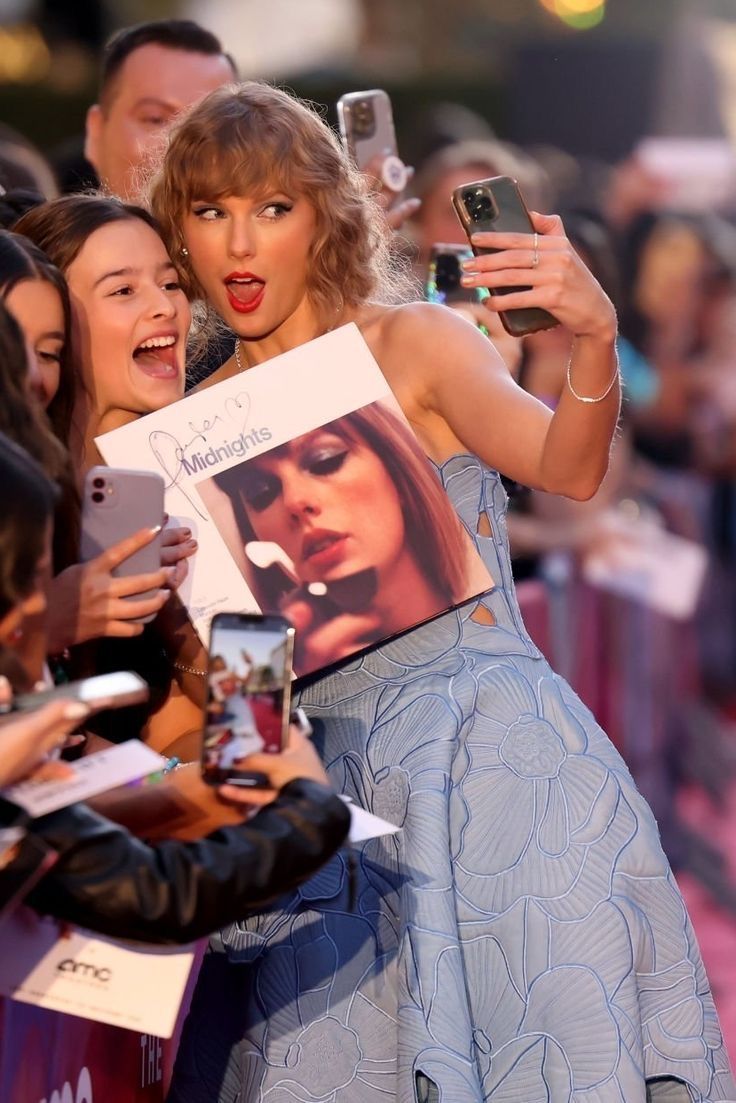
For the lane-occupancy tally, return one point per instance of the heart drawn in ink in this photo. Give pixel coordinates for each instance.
(237, 409)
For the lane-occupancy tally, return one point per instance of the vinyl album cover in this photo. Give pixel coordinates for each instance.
(309, 496)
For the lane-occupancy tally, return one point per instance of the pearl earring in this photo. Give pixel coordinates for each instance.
(184, 251)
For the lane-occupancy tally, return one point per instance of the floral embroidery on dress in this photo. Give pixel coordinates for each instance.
(520, 940)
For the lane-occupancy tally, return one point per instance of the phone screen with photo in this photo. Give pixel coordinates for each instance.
(248, 691)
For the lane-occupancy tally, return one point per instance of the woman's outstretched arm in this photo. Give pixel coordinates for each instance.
(466, 397)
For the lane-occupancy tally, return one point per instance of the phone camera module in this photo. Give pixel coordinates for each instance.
(98, 483)
(364, 119)
(478, 204)
(98, 496)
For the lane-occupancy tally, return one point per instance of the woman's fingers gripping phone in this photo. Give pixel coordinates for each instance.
(87, 601)
(298, 759)
(177, 546)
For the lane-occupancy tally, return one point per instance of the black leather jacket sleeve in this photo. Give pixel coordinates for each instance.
(109, 881)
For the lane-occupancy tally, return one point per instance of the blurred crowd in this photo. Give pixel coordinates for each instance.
(668, 265)
(666, 254)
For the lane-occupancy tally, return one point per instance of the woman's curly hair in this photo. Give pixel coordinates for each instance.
(250, 138)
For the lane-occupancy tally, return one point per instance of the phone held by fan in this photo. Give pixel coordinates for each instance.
(444, 273)
(248, 694)
(117, 503)
(101, 691)
(367, 131)
(496, 205)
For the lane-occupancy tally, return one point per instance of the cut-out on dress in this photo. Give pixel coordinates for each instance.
(522, 939)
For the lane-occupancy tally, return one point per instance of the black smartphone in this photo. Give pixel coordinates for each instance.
(444, 271)
(248, 694)
(497, 205)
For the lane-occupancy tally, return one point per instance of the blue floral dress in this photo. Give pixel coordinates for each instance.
(522, 938)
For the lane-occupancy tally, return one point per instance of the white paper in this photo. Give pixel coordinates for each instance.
(364, 825)
(205, 442)
(93, 774)
(84, 974)
(324, 379)
(654, 567)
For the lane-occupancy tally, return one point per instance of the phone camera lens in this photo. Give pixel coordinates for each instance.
(364, 120)
(98, 496)
(98, 483)
(478, 204)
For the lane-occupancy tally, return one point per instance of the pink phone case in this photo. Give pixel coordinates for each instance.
(118, 503)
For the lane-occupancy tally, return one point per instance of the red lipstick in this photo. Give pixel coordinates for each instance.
(245, 291)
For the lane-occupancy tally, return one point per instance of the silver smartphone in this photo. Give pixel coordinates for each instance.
(117, 503)
(367, 125)
(102, 691)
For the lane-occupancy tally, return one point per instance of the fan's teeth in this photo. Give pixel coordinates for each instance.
(157, 343)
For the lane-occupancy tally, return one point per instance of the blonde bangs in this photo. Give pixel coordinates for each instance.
(237, 157)
(218, 173)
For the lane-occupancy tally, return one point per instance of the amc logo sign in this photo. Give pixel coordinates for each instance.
(85, 969)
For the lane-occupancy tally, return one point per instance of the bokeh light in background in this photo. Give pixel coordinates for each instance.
(24, 55)
(581, 15)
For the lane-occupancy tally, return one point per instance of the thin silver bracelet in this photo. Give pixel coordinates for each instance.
(591, 401)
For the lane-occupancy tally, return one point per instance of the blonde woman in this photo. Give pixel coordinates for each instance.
(522, 937)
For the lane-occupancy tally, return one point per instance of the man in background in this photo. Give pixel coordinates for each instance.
(150, 73)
